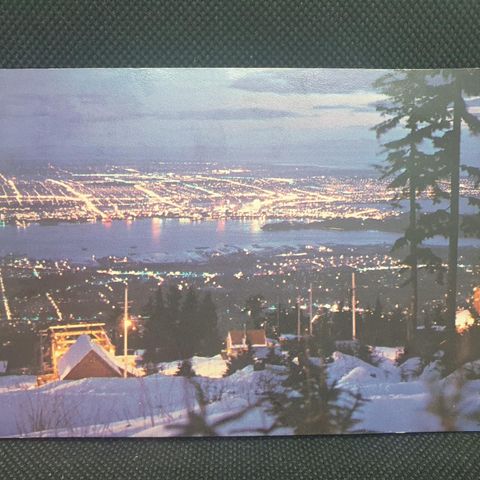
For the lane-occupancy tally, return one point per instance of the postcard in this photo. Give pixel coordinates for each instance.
(220, 252)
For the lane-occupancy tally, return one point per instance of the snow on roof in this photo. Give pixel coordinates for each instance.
(78, 351)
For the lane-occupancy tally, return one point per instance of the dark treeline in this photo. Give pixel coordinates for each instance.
(18, 346)
(180, 324)
(375, 325)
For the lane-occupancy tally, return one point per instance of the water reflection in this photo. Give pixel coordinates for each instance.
(256, 225)
(156, 229)
(107, 224)
(220, 226)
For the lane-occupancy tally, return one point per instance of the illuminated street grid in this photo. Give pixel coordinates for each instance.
(122, 193)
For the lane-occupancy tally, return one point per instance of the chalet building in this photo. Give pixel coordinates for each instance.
(238, 341)
(86, 359)
(56, 340)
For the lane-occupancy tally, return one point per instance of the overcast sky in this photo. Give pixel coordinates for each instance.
(224, 115)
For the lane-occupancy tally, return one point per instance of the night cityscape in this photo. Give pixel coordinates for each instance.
(260, 231)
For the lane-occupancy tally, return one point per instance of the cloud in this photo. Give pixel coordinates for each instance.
(308, 81)
(222, 114)
(98, 108)
(228, 114)
(368, 108)
(236, 115)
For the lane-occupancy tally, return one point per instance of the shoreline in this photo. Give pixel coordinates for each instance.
(202, 256)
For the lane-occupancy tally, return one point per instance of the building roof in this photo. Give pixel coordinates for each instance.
(79, 350)
(3, 366)
(254, 337)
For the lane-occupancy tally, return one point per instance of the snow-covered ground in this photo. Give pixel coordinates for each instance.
(211, 367)
(397, 399)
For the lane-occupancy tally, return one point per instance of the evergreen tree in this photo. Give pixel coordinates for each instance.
(173, 303)
(188, 325)
(410, 169)
(172, 320)
(255, 306)
(209, 343)
(113, 325)
(366, 353)
(322, 344)
(155, 310)
(185, 369)
(448, 94)
(311, 404)
(273, 358)
(375, 331)
(287, 320)
(160, 336)
(240, 361)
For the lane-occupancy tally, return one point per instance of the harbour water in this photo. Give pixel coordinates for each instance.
(172, 239)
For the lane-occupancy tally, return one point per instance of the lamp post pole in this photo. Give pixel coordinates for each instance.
(310, 308)
(354, 307)
(299, 330)
(125, 332)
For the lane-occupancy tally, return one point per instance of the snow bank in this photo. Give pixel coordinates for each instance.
(211, 367)
(150, 406)
(117, 406)
(348, 369)
(411, 368)
(398, 413)
(222, 417)
(472, 370)
(431, 372)
(364, 375)
(75, 406)
(17, 382)
(343, 364)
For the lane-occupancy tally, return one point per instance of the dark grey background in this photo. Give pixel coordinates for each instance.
(296, 33)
